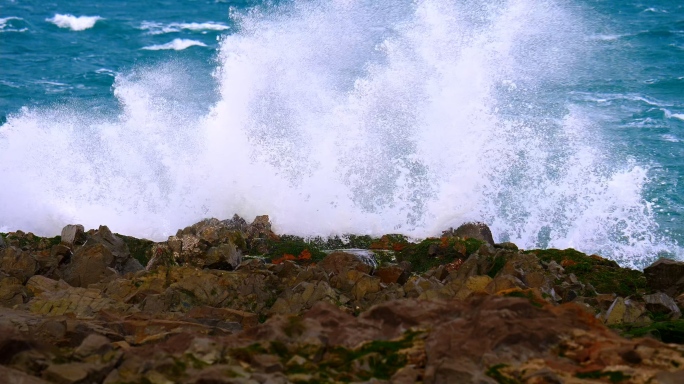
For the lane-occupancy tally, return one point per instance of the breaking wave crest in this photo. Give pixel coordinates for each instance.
(75, 23)
(347, 117)
(176, 44)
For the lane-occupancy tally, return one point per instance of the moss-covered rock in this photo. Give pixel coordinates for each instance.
(606, 276)
(296, 247)
(141, 249)
(667, 331)
(433, 252)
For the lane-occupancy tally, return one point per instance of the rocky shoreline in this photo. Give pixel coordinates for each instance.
(233, 302)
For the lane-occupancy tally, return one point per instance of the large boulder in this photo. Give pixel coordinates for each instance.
(474, 230)
(208, 244)
(625, 311)
(123, 262)
(90, 264)
(661, 303)
(11, 292)
(340, 261)
(389, 274)
(73, 234)
(666, 275)
(18, 263)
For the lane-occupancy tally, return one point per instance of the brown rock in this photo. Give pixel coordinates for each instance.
(12, 292)
(93, 344)
(80, 302)
(474, 230)
(267, 363)
(245, 319)
(625, 311)
(662, 304)
(389, 274)
(339, 262)
(39, 284)
(224, 256)
(89, 265)
(190, 245)
(13, 376)
(18, 263)
(73, 234)
(72, 373)
(666, 275)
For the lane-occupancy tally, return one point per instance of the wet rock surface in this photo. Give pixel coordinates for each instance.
(233, 302)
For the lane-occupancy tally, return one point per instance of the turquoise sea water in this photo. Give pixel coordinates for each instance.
(559, 123)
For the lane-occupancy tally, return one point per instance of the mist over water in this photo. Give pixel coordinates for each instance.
(347, 117)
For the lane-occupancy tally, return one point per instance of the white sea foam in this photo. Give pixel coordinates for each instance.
(9, 24)
(75, 23)
(346, 117)
(679, 116)
(607, 37)
(155, 28)
(176, 44)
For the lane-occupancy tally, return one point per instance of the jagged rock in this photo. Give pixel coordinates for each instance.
(162, 256)
(12, 292)
(666, 275)
(662, 304)
(39, 284)
(625, 311)
(507, 245)
(89, 265)
(49, 262)
(192, 245)
(605, 300)
(259, 228)
(81, 302)
(93, 344)
(123, 262)
(472, 285)
(504, 282)
(237, 223)
(364, 286)
(555, 269)
(18, 263)
(224, 256)
(339, 261)
(389, 274)
(73, 234)
(416, 286)
(479, 231)
(528, 269)
(303, 296)
(73, 373)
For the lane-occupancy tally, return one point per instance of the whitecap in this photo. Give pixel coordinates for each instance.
(155, 28)
(176, 44)
(679, 116)
(106, 71)
(75, 23)
(6, 25)
(671, 138)
(606, 37)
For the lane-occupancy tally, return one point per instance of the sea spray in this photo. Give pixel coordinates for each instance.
(347, 117)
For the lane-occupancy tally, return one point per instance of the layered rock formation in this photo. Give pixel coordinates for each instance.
(233, 302)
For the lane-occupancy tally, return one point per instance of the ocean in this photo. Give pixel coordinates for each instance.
(559, 123)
